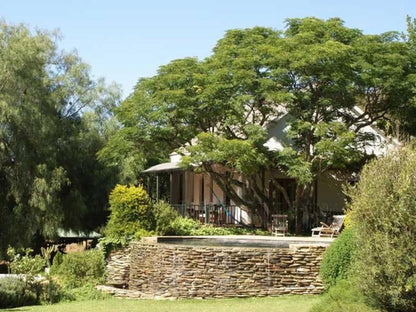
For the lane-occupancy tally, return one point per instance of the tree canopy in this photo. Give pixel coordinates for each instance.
(51, 126)
(316, 72)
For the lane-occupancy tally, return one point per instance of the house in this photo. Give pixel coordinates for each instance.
(197, 195)
(194, 194)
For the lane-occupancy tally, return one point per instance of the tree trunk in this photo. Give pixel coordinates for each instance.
(304, 198)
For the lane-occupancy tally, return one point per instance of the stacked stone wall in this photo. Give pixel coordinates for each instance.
(118, 268)
(173, 271)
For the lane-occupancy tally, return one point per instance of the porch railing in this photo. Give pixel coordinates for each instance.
(312, 216)
(211, 213)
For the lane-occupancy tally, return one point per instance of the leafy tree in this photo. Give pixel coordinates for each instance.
(44, 139)
(401, 123)
(383, 211)
(155, 119)
(315, 74)
(85, 199)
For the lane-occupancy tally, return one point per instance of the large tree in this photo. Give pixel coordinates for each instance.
(317, 72)
(46, 146)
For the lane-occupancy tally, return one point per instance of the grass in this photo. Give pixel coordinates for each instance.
(276, 304)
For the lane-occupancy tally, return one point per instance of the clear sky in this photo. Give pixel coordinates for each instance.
(124, 40)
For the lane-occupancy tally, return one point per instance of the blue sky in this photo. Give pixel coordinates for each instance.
(124, 40)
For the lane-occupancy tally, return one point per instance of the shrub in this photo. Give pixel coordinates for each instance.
(182, 226)
(131, 211)
(23, 263)
(209, 229)
(337, 259)
(344, 296)
(164, 215)
(78, 269)
(384, 215)
(86, 292)
(50, 292)
(14, 292)
(186, 226)
(143, 233)
(109, 243)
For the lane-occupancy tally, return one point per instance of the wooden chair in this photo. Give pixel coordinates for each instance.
(330, 230)
(279, 225)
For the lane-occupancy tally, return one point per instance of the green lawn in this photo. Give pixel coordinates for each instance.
(277, 304)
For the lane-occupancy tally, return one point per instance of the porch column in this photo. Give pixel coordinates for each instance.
(171, 187)
(157, 187)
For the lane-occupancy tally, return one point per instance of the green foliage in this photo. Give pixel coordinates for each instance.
(143, 233)
(46, 183)
(31, 267)
(86, 292)
(310, 79)
(338, 259)
(182, 226)
(164, 215)
(14, 292)
(240, 154)
(79, 269)
(109, 243)
(46, 254)
(131, 211)
(344, 296)
(50, 292)
(22, 262)
(383, 214)
(58, 259)
(208, 229)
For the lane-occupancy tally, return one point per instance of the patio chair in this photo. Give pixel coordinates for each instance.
(279, 225)
(332, 230)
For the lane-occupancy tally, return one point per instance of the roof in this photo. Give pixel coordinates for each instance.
(169, 166)
(73, 234)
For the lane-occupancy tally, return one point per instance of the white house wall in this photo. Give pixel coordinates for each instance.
(329, 194)
(278, 130)
(277, 133)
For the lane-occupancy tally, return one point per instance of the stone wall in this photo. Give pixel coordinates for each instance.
(172, 271)
(118, 268)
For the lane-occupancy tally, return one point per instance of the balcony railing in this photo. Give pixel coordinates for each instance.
(211, 213)
(233, 215)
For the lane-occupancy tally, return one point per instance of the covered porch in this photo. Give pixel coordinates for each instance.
(193, 195)
(197, 196)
